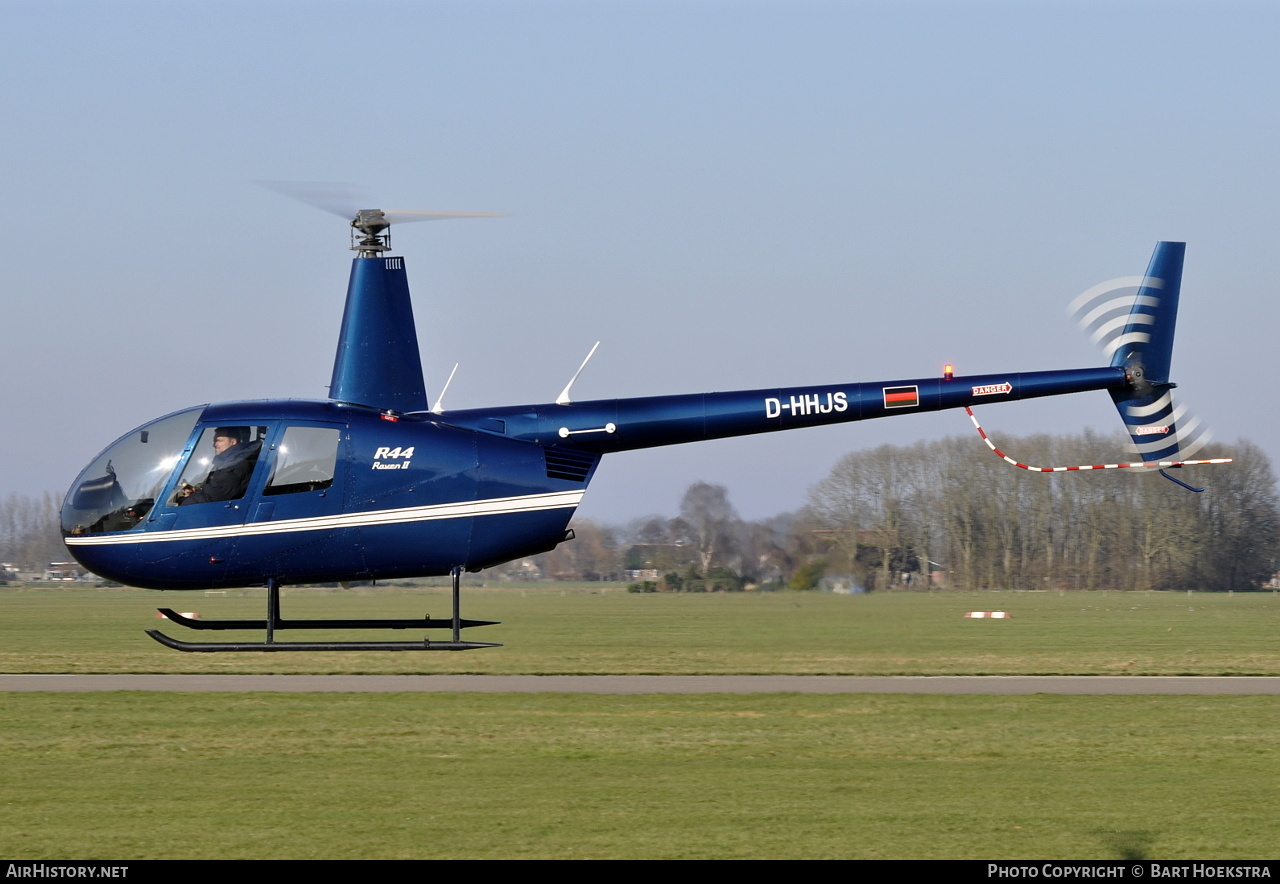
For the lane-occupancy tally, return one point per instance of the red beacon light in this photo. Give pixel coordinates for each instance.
(948, 372)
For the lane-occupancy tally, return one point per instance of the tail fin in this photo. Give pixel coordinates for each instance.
(1141, 342)
(1144, 346)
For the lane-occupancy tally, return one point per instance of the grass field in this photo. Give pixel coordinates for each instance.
(586, 631)
(130, 775)
(139, 775)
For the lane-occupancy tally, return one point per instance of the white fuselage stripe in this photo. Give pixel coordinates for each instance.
(463, 509)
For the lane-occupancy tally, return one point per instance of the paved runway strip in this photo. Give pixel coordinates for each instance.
(649, 684)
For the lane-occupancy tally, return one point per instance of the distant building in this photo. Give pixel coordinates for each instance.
(65, 571)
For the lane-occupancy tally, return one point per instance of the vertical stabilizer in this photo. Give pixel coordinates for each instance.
(1160, 428)
(1145, 343)
(377, 363)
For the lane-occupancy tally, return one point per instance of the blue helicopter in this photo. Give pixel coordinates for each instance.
(374, 483)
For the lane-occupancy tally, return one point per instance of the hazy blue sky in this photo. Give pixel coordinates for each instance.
(728, 195)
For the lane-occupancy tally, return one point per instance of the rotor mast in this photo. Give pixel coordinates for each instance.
(377, 363)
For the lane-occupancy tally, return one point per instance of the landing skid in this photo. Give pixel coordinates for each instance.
(274, 622)
(424, 645)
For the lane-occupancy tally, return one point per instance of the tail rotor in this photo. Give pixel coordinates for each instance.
(1133, 320)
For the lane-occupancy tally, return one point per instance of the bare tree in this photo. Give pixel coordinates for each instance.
(29, 534)
(593, 554)
(712, 521)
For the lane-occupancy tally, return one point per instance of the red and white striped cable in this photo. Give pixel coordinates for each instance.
(1103, 466)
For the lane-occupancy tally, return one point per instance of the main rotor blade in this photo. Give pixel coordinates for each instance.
(336, 198)
(345, 200)
(403, 216)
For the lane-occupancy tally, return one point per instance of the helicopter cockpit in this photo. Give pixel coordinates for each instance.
(119, 489)
(124, 484)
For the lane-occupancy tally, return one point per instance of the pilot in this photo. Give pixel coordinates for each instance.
(231, 468)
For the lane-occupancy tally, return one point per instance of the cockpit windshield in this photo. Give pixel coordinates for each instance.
(119, 489)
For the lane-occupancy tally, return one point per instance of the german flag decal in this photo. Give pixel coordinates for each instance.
(901, 397)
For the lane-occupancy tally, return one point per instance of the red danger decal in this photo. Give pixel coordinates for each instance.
(993, 389)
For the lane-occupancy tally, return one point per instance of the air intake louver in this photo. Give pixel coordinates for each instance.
(567, 463)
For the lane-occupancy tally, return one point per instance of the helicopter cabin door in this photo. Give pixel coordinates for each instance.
(303, 468)
(291, 527)
(204, 508)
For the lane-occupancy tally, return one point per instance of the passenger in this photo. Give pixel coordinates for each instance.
(230, 471)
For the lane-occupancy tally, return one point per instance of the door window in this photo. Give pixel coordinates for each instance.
(305, 460)
(220, 465)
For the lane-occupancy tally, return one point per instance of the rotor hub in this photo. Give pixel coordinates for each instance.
(375, 232)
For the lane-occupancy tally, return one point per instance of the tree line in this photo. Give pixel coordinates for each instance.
(948, 514)
(29, 534)
(989, 525)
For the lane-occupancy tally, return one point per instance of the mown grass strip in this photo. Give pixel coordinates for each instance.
(131, 776)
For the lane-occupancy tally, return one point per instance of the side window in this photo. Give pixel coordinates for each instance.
(305, 460)
(220, 465)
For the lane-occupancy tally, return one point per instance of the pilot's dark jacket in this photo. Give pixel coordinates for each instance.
(228, 474)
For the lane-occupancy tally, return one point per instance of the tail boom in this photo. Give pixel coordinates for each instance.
(627, 424)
